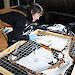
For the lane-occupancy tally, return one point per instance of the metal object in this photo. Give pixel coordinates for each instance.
(5, 63)
(18, 2)
(26, 49)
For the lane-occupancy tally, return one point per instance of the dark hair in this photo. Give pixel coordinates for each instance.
(37, 8)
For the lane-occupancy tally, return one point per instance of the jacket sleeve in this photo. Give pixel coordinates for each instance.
(18, 29)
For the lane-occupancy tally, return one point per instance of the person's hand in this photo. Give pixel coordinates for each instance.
(6, 29)
(32, 37)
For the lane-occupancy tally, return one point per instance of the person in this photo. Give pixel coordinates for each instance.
(18, 21)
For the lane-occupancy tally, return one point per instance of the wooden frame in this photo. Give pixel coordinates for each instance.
(14, 46)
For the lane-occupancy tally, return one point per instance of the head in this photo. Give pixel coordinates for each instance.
(36, 11)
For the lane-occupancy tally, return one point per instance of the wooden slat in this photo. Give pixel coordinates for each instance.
(5, 72)
(51, 33)
(7, 10)
(10, 49)
(6, 3)
(73, 71)
(54, 34)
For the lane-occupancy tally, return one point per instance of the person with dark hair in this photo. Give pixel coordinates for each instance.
(18, 17)
(36, 11)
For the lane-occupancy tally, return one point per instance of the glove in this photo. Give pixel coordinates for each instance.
(32, 37)
(6, 29)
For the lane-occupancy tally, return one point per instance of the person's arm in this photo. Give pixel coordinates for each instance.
(19, 28)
